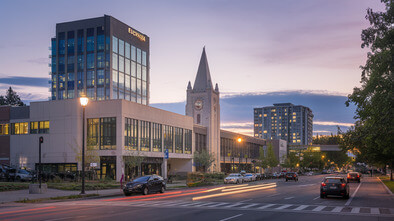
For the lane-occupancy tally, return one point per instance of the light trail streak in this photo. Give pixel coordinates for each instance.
(234, 192)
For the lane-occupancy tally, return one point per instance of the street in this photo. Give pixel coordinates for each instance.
(261, 200)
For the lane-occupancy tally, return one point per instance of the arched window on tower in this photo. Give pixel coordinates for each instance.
(198, 118)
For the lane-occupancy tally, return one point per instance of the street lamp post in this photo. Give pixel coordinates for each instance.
(239, 140)
(84, 101)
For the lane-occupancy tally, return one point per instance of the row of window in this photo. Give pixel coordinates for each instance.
(151, 136)
(36, 127)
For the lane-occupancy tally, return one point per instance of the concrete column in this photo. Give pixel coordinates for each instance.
(119, 167)
(164, 168)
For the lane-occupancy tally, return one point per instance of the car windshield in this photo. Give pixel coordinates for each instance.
(141, 179)
(333, 180)
(248, 175)
(234, 175)
(353, 174)
(23, 172)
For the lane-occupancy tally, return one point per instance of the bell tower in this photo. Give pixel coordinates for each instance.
(202, 103)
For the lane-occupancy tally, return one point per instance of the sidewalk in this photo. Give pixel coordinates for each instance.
(12, 196)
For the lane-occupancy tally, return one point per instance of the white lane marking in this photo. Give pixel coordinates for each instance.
(316, 198)
(273, 195)
(319, 208)
(204, 204)
(219, 204)
(375, 211)
(266, 206)
(337, 209)
(355, 210)
(250, 205)
(306, 185)
(284, 206)
(245, 200)
(231, 217)
(287, 198)
(354, 194)
(232, 205)
(301, 207)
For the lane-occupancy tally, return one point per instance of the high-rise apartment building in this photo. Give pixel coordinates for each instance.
(102, 58)
(293, 123)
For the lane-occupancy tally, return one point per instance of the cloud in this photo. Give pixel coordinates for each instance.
(331, 123)
(236, 108)
(25, 81)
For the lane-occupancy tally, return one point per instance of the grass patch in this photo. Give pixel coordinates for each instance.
(387, 182)
(70, 197)
(8, 186)
(88, 186)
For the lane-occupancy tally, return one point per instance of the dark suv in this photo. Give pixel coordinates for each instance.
(334, 186)
(145, 184)
(353, 176)
(291, 176)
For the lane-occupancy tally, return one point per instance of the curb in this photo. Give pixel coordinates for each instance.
(387, 189)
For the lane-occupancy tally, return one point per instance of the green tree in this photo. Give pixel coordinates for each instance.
(11, 98)
(271, 158)
(263, 160)
(203, 159)
(132, 160)
(372, 137)
(291, 160)
(312, 159)
(91, 156)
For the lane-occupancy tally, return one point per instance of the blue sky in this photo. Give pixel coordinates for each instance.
(306, 51)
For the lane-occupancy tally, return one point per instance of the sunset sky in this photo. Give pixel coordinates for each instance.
(260, 52)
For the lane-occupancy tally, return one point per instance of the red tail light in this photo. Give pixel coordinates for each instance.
(358, 176)
(343, 184)
(323, 184)
(294, 175)
(348, 176)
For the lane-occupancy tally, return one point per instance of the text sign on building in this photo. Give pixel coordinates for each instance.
(136, 34)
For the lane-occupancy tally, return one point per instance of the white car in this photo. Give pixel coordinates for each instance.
(23, 175)
(234, 178)
(250, 177)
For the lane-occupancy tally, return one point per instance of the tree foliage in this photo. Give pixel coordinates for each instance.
(272, 161)
(263, 160)
(133, 160)
(312, 159)
(326, 140)
(203, 159)
(372, 137)
(291, 160)
(11, 98)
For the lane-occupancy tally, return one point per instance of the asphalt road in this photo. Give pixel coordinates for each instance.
(262, 200)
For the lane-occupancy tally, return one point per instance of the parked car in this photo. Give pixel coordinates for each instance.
(309, 173)
(334, 186)
(23, 175)
(145, 185)
(258, 176)
(250, 177)
(234, 178)
(353, 176)
(291, 176)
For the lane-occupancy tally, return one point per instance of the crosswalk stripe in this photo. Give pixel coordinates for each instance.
(232, 205)
(301, 207)
(204, 204)
(266, 206)
(375, 211)
(284, 206)
(250, 205)
(319, 208)
(219, 204)
(337, 209)
(355, 210)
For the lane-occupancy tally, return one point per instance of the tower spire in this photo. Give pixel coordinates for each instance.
(203, 77)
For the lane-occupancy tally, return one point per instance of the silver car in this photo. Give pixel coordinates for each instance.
(234, 178)
(23, 175)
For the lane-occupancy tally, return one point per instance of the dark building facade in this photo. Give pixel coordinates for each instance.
(102, 58)
(293, 123)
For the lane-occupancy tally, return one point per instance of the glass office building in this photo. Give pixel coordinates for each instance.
(101, 58)
(293, 123)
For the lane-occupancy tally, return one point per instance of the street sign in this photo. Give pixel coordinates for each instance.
(166, 154)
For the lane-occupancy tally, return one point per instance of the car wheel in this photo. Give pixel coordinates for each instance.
(237, 181)
(127, 194)
(346, 196)
(162, 190)
(18, 179)
(321, 196)
(286, 180)
(145, 191)
(359, 181)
